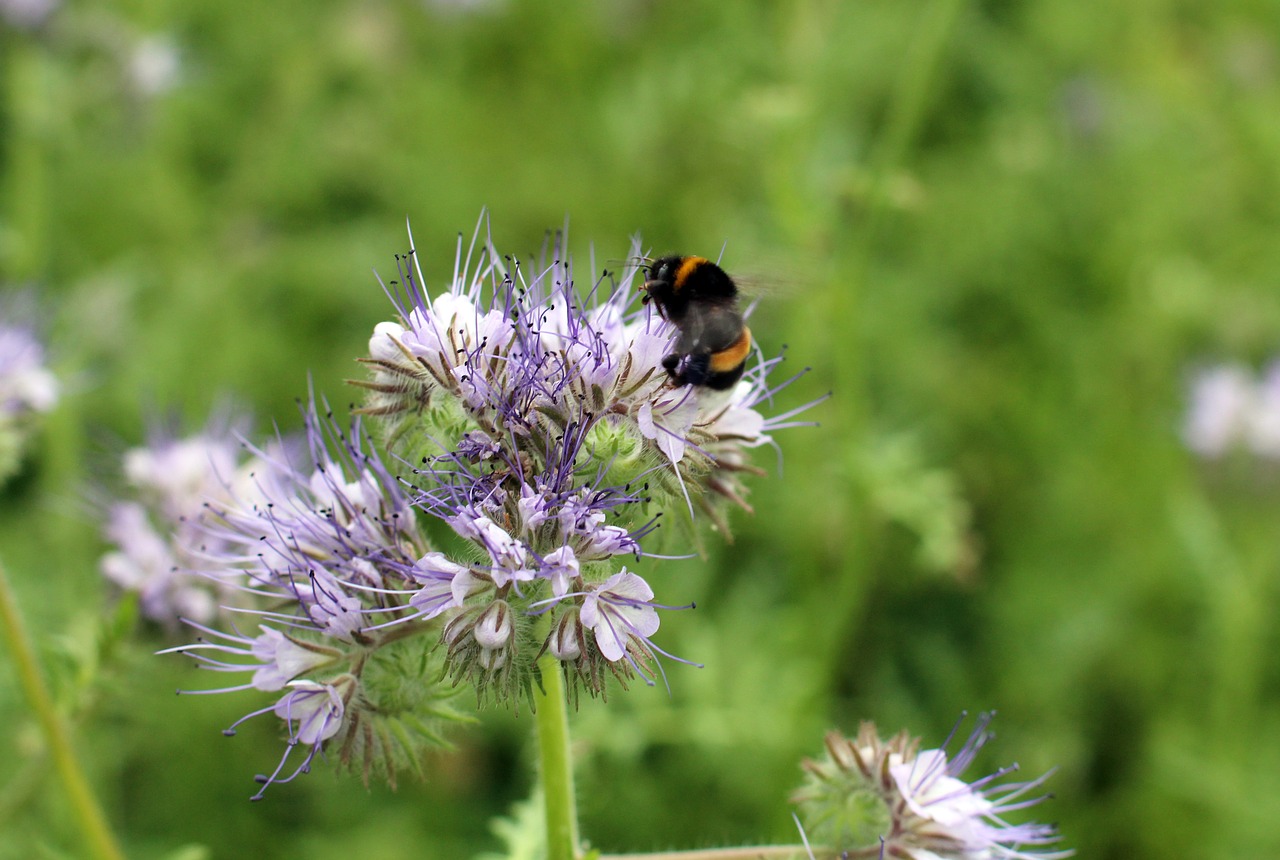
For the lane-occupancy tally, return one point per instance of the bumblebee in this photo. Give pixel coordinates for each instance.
(696, 296)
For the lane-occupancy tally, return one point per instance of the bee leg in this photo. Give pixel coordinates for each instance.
(670, 363)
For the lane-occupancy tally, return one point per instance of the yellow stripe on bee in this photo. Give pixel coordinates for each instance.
(732, 356)
(687, 265)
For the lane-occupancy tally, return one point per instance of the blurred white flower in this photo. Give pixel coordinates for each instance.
(1230, 407)
(1262, 430)
(26, 14)
(155, 66)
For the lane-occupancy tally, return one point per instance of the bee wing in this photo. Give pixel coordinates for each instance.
(721, 330)
(770, 279)
(691, 338)
(709, 330)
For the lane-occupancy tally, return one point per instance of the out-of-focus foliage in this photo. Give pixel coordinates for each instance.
(1003, 233)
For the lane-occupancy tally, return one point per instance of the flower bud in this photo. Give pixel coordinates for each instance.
(491, 660)
(493, 627)
(565, 641)
(620, 445)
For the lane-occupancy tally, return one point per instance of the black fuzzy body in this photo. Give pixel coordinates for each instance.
(701, 300)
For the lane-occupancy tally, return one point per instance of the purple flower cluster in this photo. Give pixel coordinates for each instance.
(328, 541)
(549, 438)
(528, 442)
(27, 386)
(523, 362)
(160, 549)
(873, 798)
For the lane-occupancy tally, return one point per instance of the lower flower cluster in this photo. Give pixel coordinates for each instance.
(870, 797)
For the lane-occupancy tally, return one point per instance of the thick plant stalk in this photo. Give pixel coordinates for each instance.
(556, 763)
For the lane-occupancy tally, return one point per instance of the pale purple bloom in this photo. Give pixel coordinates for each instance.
(1221, 398)
(619, 611)
(605, 541)
(327, 537)
(561, 567)
(319, 711)
(1231, 408)
(320, 546)
(477, 446)
(534, 508)
(27, 385)
(334, 612)
(180, 474)
(510, 557)
(27, 14)
(667, 419)
(1262, 433)
(556, 432)
(951, 804)
(274, 658)
(313, 710)
(146, 563)
(446, 584)
(583, 528)
(518, 350)
(161, 548)
(316, 708)
(285, 658)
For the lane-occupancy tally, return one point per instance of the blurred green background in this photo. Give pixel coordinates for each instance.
(1001, 233)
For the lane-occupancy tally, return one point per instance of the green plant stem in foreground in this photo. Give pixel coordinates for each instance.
(556, 770)
(88, 814)
(758, 852)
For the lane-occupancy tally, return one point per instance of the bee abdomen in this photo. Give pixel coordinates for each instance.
(733, 356)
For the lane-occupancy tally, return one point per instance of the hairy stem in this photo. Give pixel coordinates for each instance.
(556, 764)
(757, 852)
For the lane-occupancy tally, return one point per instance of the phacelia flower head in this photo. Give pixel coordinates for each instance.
(873, 798)
(513, 357)
(321, 554)
(327, 535)
(545, 431)
(520, 443)
(27, 387)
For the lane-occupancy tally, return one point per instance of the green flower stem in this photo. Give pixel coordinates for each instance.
(552, 720)
(88, 814)
(758, 852)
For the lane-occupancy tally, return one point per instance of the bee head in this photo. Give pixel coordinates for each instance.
(662, 282)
